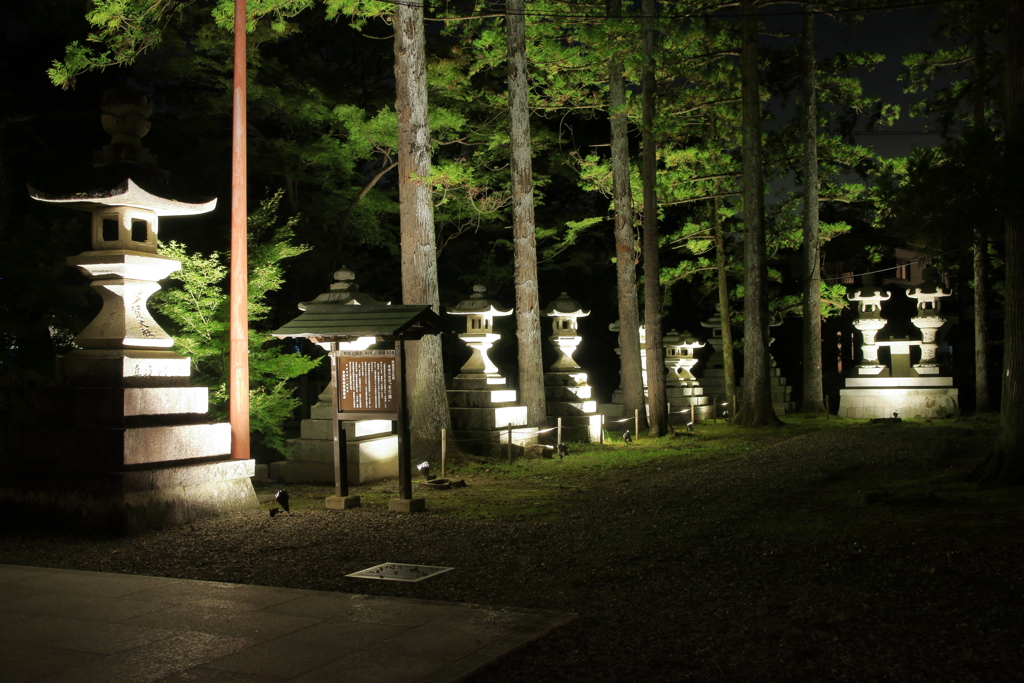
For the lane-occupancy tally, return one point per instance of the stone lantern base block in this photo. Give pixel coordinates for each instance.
(124, 367)
(110, 449)
(129, 501)
(493, 444)
(911, 397)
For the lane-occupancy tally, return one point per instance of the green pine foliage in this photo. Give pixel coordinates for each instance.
(197, 309)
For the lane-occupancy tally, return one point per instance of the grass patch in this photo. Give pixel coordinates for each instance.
(539, 489)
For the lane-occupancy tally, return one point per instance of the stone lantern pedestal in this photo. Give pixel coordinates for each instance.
(482, 406)
(123, 443)
(568, 395)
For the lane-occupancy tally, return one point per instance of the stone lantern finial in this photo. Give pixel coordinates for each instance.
(126, 112)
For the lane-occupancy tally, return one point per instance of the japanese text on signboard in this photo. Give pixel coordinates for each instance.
(366, 381)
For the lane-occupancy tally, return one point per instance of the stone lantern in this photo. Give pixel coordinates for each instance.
(679, 357)
(714, 326)
(869, 321)
(485, 416)
(928, 320)
(564, 313)
(126, 444)
(479, 335)
(568, 396)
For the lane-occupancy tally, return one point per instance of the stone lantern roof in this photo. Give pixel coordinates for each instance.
(682, 339)
(478, 304)
(928, 294)
(344, 292)
(565, 307)
(869, 297)
(124, 173)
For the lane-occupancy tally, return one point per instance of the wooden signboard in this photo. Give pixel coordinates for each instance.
(367, 384)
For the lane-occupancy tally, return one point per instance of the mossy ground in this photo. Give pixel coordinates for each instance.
(544, 488)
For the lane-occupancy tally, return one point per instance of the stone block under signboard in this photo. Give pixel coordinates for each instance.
(311, 461)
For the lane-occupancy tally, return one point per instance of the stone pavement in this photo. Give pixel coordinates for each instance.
(90, 627)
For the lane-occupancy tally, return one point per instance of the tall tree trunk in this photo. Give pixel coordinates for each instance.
(1006, 466)
(524, 234)
(724, 307)
(813, 399)
(728, 358)
(625, 254)
(756, 405)
(981, 394)
(427, 396)
(657, 419)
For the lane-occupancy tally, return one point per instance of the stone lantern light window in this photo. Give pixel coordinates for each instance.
(124, 227)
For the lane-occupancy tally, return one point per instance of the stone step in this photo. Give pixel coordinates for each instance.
(485, 419)
(85, 448)
(565, 408)
(481, 398)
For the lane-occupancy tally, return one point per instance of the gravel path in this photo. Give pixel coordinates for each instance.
(769, 566)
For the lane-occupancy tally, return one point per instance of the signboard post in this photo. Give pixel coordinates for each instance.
(369, 385)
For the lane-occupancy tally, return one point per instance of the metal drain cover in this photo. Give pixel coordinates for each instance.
(395, 571)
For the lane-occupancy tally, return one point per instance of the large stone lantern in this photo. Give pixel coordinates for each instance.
(928, 320)
(125, 443)
(485, 416)
(869, 321)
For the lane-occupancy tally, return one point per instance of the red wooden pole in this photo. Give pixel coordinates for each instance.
(238, 377)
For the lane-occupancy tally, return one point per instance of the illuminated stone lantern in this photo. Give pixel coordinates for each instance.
(479, 335)
(869, 321)
(928, 320)
(564, 313)
(679, 358)
(482, 407)
(371, 445)
(126, 445)
(567, 394)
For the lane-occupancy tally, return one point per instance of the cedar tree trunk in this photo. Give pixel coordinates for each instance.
(1006, 465)
(428, 399)
(657, 419)
(524, 235)
(625, 254)
(756, 405)
(813, 398)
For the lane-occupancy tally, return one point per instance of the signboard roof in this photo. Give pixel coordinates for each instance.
(352, 322)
